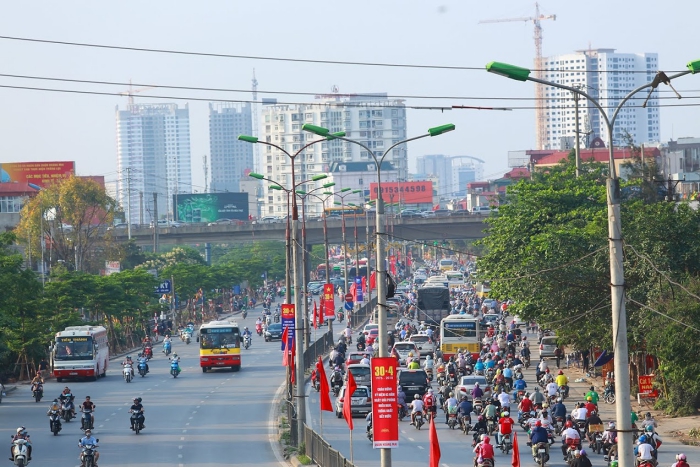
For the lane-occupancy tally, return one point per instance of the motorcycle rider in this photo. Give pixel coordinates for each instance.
(464, 410)
(416, 407)
(593, 419)
(429, 366)
(645, 451)
(490, 412)
(450, 406)
(429, 402)
(401, 396)
(595, 397)
(67, 397)
(21, 434)
(558, 410)
(505, 427)
(247, 333)
(539, 435)
(128, 361)
(414, 364)
(537, 397)
(89, 405)
(142, 359)
(648, 420)
(479, 428)
(368, 418)
(37, 382)
(137, 407)
(348, 334)
(484, 450)
(54, 407)
(680, 461)
(569, 437)
(581, 459)
(477, 392)
(175, 359)
(337, 377)
(88, 440)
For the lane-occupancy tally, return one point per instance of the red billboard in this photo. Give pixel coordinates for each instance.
(404, 192)
(385, 397)
(329, 301)
(40, 174)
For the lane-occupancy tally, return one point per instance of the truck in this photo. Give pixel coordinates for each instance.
(433, 304)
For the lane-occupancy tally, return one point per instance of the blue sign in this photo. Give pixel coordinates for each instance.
(236, 289)
(358, 288)
(349, 305)
(165, 287)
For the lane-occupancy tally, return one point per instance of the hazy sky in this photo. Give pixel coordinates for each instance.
(43, 126)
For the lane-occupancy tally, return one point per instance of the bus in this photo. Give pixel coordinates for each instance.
(483, 289)
(80, 352)
(460, 332)
(219, 345)
(446, 264)
(455, 279)
(344, 211)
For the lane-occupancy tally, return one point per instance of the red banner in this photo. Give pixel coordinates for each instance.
(385, 419)
(646, 384)
(404, 192)
(37, 173)
(329, 301)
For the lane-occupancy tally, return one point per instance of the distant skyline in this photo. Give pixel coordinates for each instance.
(48, 126)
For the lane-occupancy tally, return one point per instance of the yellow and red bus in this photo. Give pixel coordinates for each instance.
(219, 345)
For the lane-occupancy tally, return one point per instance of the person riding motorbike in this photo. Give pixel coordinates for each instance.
(681, 461)
(67, 397)
(581, 459)
(645, 451)
(414, 364)
(609, 438)
(21, 434)
(479, 428)
(429, 402)
(416, 408)
(401, 396)
(37, 382)
(429, 366)
(484, 451)
(595, 397)
(247, 333)
(539, 435)
(464, 410)
(128, 361)
(570, 437)
(477, 392)
(595, 421)
(142, 359)
(89, 405)
(648, 420)
(88, 440)
(450, 406)
(505, 427)
(537, 397)
(490, 412)
(137, 407)
(175, 359)
(337, 377)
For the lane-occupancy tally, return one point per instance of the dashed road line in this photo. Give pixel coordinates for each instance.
(421, 447)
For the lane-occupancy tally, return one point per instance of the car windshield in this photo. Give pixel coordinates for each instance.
(470, 380)
(359, 371)
(420, 338)
(356, 356)
(360, 392)
(418, 377)
(404, 347)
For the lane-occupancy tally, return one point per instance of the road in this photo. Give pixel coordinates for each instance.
(213, 419)
(455, 447)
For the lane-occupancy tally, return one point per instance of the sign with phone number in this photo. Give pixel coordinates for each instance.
(406, 192)
(385, 419)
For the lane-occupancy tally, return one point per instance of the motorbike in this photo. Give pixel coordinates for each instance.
(402, 412)
(188, 337)
(246, 342)
(245, 314)
(564, 391)
(429, 372)
(336, 388)
(465, 424)
(609, 394)
(524, 418)
(506, 444)
(478, 406)
(66, 409)
(452, 421)
(174, 369)
(489, 374)
(526, 361)
(558, 425)
(20, 452)
(542, 456)
(341, 316)
(148, 352)
(441, 379)
(167, 346)
(598, 442)
(258, 329)
(277, 317)
(142, 369)
(419, 420)
(492, 426)
(127, 373)
(570, 457)
(315, 383)
(485, 463)
(137, 422)
(38, 392)
(55, 421)
(370, 433)
(86, 420)
(87, 456)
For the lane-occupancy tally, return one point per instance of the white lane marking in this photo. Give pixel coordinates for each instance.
(179, 447)
(184, 431)
(403, 431)
(100, 426)
(182, 438)
(198, 406)
(201, 402)
(211, 392)
(411, 439)
(445, 465)
(149, 389)
(190, 418)
(106, 419)
(206, 397)
(179, 456)
(113, 414)
(194, 411)
(420, 447)
(187, 424)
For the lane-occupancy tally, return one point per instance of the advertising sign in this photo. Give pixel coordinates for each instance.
(385, 419)
(646, 384)
(39, 174)
(358, 288)
(329, 301)
(404, 192)
(210, 207)
(288, 322)
(112, 267)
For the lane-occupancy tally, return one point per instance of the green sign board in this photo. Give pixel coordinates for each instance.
(211, 207)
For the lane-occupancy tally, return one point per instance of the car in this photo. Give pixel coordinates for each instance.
(490, 303)
(315, 287)
(466, 384)
(518, 321)
(413, 382)
(361, 401)
(428, 214)
(425, 344)
(460, 213)
(491, 319)
(548, 345)
(360, 373)
(273, 332)
(442, 212)
(268, 220)
(223, 222)
(373, 334)
(369, 327)
(405, 348)
(355, 357)
(121, 225)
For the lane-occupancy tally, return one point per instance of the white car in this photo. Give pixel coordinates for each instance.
(425, 344)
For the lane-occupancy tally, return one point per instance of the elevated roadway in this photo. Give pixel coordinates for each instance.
(421, 229)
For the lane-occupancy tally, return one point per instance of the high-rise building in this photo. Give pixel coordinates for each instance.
(372, 119)
(153, 156)
(229, 158)
(452, 172)
(606, 76)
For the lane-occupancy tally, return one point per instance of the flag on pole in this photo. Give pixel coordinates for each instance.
(434, 445)
(315, 316)
(350, 388)
(292, 378)
(516, 454)
(353, 292)
(325, 389)
(321, 312)
(285, 339)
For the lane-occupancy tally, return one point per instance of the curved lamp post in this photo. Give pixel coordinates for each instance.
(385, 456)
(342, 217)
(617, 278)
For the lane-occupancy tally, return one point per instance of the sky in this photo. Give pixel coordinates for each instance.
(50, 126)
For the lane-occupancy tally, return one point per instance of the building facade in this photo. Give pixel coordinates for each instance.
(229, 158)
(607, 77)
(372, 119)
(153, 156)
(452, 172)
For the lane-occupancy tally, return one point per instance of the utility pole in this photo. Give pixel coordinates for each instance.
(578, 140)
(128, 202)
(206, 174)
(140, 208)
(155, 222)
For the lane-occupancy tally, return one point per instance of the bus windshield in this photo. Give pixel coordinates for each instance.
(458, 329)
(74, 348)
(446, 264)
(219, 338)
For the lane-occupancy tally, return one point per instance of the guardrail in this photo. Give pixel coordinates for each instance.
(321, 452)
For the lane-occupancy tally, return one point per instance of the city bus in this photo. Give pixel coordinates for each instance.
(347, 211)
(219, 345)
(460, 332)
(80, 352)
(446, 264)
(455, 279)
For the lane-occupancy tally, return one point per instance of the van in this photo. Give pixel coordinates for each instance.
(547, 346)
(480, 210)
(360, 373)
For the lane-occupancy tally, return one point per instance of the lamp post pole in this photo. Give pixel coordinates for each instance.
(623, 406)
(385, 453)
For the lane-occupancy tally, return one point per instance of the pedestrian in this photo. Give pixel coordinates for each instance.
(557, 354)
(584, 356)
(43, 367)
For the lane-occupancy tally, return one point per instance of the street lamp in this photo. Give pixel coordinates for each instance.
(342, 217)
(381, 279)
(617, 277)
(298, 322)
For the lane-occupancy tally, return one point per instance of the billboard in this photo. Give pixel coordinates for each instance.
(210, 207)
(40, 174)
(405, 192)
(385, 418)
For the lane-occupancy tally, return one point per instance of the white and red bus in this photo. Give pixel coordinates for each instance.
(80, 352)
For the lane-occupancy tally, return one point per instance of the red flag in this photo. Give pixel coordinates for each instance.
(292, 377)
(434, 445)
(320, 313)
(373, 280)
(285, 339)
(350, 388)
(353, 292)
(315, 316)
(516, 454)
(325, 388)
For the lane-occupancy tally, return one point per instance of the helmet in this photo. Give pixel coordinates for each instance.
(568, 424)
(524, 338)
(545, 405)
(583, 452)
(410, 354)
(520, 376)
(538, 423)
(558, 399)
(136, 399)
(416, 396)
(614, 463)
(20, 430)
(464, 397)
(452, 394)
(649, 429)
(642, 439)
(430, 391)
(506, 413)
(593, 412)
(88, 431)
(592, 388)
(648, 415)
(680, 457)
(485, 439)
(139, 355)
(480, 418)
(476, 385)
(611, 425)
(561, 372)
(174, 355)
(577, 453)
(246, 328)
(537, 389)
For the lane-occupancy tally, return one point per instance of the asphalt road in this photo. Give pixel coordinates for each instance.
(215, 419)
(455, 447)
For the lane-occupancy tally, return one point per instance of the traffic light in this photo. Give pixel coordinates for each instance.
(435, 243)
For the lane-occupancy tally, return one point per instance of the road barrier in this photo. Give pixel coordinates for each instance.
(321, 452)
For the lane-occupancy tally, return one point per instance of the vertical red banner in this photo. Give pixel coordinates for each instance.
(288, 316)
(385, 418)
(329, 301)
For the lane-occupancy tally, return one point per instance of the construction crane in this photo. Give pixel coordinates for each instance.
(540, 124)
(131, 91)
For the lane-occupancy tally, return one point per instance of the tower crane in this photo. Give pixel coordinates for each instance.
(131, 91)
(539, 89)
